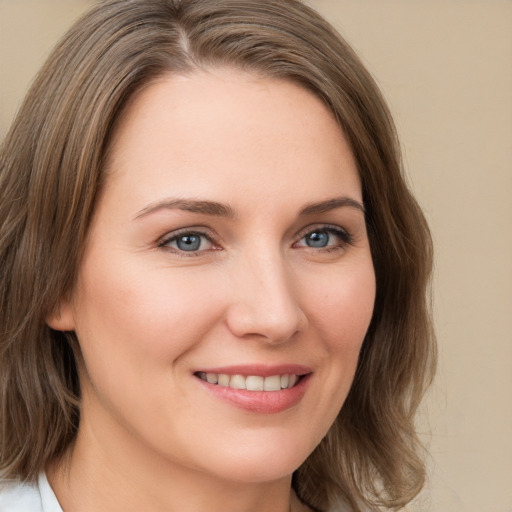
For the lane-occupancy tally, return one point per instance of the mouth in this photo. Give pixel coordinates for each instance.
(257, 388)
(251, 382)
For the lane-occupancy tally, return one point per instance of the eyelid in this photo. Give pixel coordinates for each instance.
(343, 233)
(204, 232)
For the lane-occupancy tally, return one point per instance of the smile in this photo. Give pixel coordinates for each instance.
(251, 382)
(257, 388)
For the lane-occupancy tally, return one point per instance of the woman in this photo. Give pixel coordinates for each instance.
(213, 274)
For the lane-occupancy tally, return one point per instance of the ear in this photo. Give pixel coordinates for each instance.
(62, 318)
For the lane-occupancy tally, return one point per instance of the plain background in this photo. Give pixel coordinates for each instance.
(445, 67)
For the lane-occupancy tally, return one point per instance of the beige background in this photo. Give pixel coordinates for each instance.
(446, 68)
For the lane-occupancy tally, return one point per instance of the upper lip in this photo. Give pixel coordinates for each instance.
(258, 369)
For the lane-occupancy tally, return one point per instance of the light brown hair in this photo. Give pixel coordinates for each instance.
(51, 165)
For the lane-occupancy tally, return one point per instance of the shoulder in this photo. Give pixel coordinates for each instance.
(20, 497)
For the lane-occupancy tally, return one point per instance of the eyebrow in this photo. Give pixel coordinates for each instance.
(189, 205)
(332, 204)
(224, 210)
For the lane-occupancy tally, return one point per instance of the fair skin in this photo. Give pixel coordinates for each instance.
(229, 239)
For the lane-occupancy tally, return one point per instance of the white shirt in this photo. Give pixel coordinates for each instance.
(37, 497)
(24, 497)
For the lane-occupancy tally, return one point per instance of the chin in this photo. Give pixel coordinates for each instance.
(265, 462)
(254, 472)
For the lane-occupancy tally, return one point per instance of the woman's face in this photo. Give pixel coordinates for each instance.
(228, 244)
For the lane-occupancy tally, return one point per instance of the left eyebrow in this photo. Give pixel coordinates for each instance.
(332, 204)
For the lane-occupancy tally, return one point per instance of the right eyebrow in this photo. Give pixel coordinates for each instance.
(188, 205)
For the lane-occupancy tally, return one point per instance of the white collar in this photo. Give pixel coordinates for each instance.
(48, 499)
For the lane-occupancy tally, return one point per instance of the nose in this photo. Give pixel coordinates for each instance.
(265, 302)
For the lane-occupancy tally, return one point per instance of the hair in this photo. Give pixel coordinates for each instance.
(51, 171)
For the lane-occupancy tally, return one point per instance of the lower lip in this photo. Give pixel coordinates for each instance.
(261, 402)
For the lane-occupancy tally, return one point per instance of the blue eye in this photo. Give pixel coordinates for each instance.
(317, 239)
(325, 238)
(188, 242)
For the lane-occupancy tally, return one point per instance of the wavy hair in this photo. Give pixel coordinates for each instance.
(51, 165)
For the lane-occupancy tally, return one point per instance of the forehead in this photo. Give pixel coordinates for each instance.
(208, 130)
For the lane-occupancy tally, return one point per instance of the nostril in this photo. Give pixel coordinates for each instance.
(264, 322)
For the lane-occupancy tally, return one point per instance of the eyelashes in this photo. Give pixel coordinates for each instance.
(325, 237)
(189, 242)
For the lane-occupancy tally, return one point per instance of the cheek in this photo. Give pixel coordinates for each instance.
(341, 313)
(142, 318)
(342, 308)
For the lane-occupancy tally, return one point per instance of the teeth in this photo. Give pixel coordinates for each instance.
(212, 378)
(250, 382)
(237, 382)
(254, 383)
(272, 383)
(223, 380)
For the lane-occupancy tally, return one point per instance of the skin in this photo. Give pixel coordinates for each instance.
(148, 315)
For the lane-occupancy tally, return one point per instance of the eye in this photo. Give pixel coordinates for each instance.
(188, 241)
(317, 239)
(325, 238)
